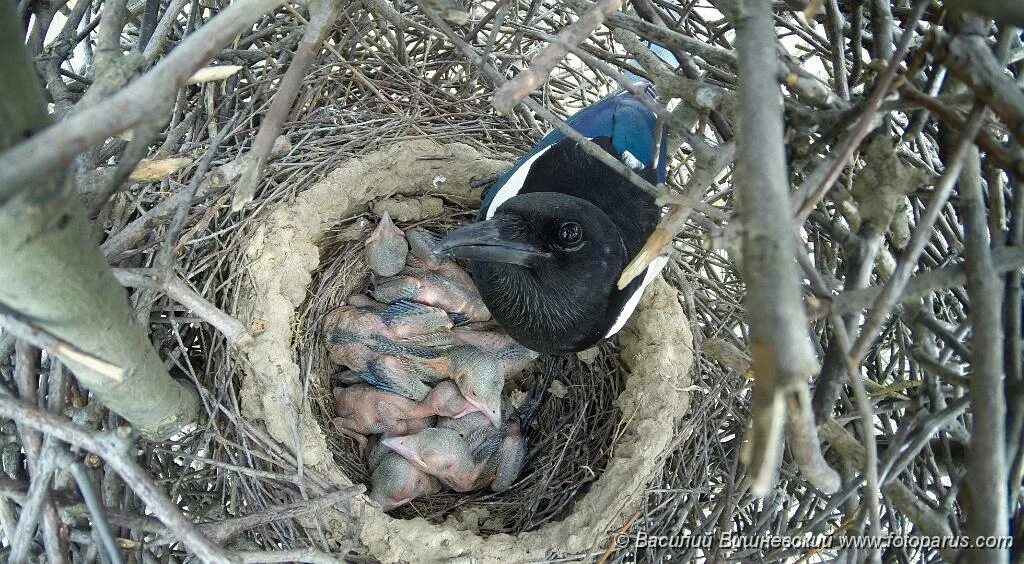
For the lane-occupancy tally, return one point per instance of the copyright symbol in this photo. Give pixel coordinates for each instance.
(621, 540)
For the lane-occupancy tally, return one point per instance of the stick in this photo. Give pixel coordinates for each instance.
(235, 331)
(99, 520)
(987, 464)
(152, 93)
(508, 95)
(113, 448)
(885, 301)
(322, 16)
(927, 521)
(864, 125)
(782, 354)
(1004, 260)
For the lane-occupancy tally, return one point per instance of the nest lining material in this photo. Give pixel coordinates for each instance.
(283, 254)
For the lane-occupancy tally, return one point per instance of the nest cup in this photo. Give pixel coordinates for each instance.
(306, 258)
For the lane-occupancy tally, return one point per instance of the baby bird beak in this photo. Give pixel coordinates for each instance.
(493, 414)
(469, 409)
(399, 445)
(484, 241)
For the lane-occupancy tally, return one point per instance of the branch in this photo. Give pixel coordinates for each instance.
(782, 353)
(43, 339)
(803, 440)
(95, 506)
(987, 514)
(152, 93)
(508, 95)
(113, 448)
(970, 59)
(322, 16)
(1005, 12)
(902, 498)
(232, 329)
(837, 160)
(885, 301)
(854, 301)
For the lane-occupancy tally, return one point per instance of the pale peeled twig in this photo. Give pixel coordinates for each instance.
(152, 170)
(60, 348)
(212, 74)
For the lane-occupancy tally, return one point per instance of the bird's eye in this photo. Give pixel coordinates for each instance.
(570, 234)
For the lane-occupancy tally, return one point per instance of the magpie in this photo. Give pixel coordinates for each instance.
(555, 232)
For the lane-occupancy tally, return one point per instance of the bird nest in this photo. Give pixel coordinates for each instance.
(261, 472)
(597, 443)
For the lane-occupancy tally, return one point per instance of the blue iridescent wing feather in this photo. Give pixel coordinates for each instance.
(623, 118)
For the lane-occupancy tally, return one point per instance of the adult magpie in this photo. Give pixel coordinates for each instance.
(555, 232)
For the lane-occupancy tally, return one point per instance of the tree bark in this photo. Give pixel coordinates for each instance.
(783, 359)
(57, 280)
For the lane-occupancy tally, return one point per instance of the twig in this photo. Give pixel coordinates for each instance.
(987, 464)
(623, 530)
(112, 447)
(586, 145)
(165, 256)
(969, 58)
(298, 555)
(235, 332)
(923, 517)
(837, 160)
(803, 439)
(133, 153)
(322, 16)
(513, 91)
(95, 505)
(782, 354)
(43, 339)
(35, 499)
(922, 232)
(664, 36)
(151, 94)
(27, 378)
(1004, 260)
(835, 35)
(214, 183)
(154, 47)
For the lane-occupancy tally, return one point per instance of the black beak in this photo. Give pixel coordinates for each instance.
(483, 241)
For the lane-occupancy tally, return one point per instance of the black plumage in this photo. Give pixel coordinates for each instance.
(554, 235)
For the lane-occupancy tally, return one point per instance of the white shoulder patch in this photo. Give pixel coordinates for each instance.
(514, 184)
(631, 161)
(627, 310)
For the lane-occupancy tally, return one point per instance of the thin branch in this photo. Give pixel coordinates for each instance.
(232, 329)
(885, 301)
(988, 512)
(782, 354)
(322, 16)
(838, 158)
(512, 92)
(151, 94)
(43, 339)
(113, 448)
(95, 505)
(1004, 260)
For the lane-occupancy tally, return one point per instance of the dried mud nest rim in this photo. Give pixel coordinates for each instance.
(281, 256)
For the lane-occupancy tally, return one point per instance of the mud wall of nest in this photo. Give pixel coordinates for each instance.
(283, 253)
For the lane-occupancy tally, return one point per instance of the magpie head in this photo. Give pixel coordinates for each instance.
(545, 264)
